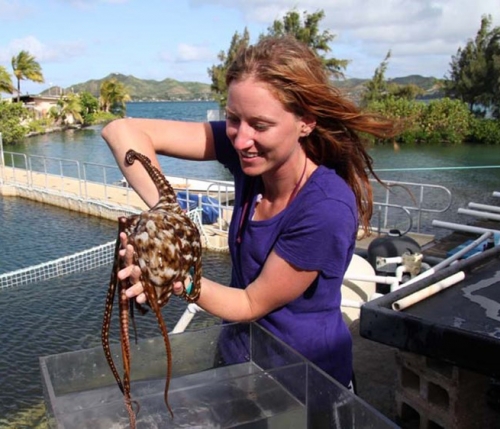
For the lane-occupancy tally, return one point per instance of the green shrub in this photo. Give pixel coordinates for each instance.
(100, 117)
(440, 121)
(484, 131)
(446, 121)
(11, 117)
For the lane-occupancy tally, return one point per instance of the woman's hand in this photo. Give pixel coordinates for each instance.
(133, 273)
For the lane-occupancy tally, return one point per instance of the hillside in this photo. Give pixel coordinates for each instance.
(149, 90)
(170, 89)
(354, 86)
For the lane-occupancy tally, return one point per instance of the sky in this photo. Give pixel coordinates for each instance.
(78, 40)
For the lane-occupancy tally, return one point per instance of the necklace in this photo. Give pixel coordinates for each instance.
(294, 192)
(259, 198)
(297, 185)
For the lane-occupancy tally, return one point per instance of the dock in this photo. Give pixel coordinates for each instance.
(110, 201)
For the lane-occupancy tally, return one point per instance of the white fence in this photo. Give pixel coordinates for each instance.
(81, 261)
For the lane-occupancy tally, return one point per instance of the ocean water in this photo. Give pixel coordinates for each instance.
(65, 314)
(61, 314)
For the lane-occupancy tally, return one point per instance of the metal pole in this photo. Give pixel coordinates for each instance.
(477, 213)
(464, 228)
(2, 160)
(484, 207)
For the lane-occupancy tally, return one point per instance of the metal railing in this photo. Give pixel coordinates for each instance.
(397, 205)
(90, 181)
(403, 205)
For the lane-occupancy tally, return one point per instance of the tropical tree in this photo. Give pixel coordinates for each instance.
(113, 96)
(90, 106)
(408, 92)
(25, 67)
(12, 115)
(377, 88)
(5, 81)
(306, 29)
(218, 72)
(475, 70)
(69, 109)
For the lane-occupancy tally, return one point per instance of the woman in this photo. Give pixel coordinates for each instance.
(302, 189)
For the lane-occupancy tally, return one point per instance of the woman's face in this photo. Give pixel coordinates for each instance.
(263, 133)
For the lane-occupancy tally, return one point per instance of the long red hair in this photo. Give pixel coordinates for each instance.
(298, 78)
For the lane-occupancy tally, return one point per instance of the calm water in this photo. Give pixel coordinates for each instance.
(65, 314)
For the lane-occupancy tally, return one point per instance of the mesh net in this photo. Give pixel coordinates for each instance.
(80, 261)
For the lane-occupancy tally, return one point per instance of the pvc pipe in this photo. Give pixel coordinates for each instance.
(451, 259)
(393, 281)
(382, 261)
(464, 228)
(400, 271)
(465, 265)
(350, 303)
(484, 207)
(496, 194)
(427, 292)
(186, 318)
(476, 213)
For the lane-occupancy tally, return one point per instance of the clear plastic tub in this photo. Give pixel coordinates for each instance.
(273, 388)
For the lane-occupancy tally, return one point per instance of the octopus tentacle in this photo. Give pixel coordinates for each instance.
(165, 190)
(125, 342)
(107, 316)
(154, 303)
(167, 248)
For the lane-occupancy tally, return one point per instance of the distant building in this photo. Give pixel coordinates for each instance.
(39, 104)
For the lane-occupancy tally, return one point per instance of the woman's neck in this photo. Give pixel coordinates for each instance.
(279, 194)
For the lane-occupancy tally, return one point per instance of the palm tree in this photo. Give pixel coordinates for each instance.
(5, 81)
(25, 66)
(70, 109)
(113, 95)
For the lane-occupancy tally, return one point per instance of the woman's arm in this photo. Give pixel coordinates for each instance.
(186, 140)
(278, 284)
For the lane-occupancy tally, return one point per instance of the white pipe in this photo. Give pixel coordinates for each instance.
(186, 318)
(350, 303)
(484, 207)
(476, 213)
(428, 291)
(382, 261)
(369, 278)
(464, 228)
(388, 280)
(400, 271)
(451, 259)
(496, 194)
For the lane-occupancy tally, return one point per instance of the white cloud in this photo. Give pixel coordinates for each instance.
(13, 10)
(415, 30)
(57, 52)
(188, 53)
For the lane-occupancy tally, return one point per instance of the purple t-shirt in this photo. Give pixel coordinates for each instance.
(315, 232)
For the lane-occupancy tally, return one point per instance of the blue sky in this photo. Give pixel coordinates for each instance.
(78, 40)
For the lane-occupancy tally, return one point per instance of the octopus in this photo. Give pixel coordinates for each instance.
(167, 248)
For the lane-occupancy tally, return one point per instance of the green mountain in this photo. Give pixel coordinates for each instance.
(148, 89)
(355, 86)
(170, 89)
